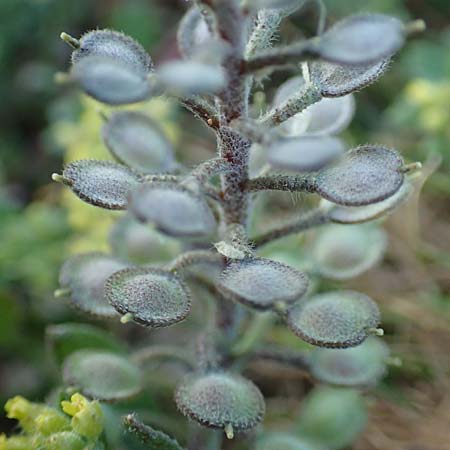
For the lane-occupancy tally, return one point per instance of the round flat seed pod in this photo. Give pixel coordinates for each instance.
(111, 81)
(192, 33)
(115, 45)
(221, 400)
(335, 80)
(284, 441)
(192, 77)
(361, 214)
(330, 116)
(102, 375)
(341, 252)
(138, 243)
(154, 297)
(333, 417)
(262, 283)
(84, 275)
(137, 141)
(174, 210)
(304, 154)
(365, 175)
(361, 39)
(337, 319)
(363, 365)
(101, 183)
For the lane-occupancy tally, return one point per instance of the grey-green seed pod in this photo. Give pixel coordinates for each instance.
(114, 45)
(333, 417)
(336, 80)
(304, 153)
(101, 183)
(111, 81)
(84, 276)
(221, 400)
(137, 141)
(337, 319)
(102, 375)
(342, 252)
(363, 365)
(149, 296)
(174, 210)
(365, 175)
(262, 283)
(361, 39)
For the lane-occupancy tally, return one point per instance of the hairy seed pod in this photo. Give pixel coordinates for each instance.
(102, 375)
(361, 39)
(304, 153)
(191, 77)
(336, 80)
(361, 214)
(192, 33)
(101, 183)
(139, 243)
(114, 45)
(365, 175)
(337, 319)
(84, 276)
(289, 5)
(152, 297)
(137, 141)
(327, 116)
(262, 283)
(111, 81)
(333, 417)
(285, 441)
(341, 252)
(174, 210)
(221, 400)
(363, 365)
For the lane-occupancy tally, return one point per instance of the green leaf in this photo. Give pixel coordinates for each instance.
(154, 439)
(66, 338)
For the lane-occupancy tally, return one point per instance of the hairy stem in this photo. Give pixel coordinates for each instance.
(282, 183)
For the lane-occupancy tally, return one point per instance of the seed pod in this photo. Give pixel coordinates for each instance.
(101, 183)
(102, 375)
(192, 77)
(333, 417)
(363, 365)
(114, 45)
(262, 283)
(335, 80)
(138, 243)
(111, 81)
(343, 252)
(137, 141)
(84, 275)
(365, 175)
(337, 319)
(285, 441)
(304, 154)
(361, 39)
(328, 116)
(221, 400)
(153, 297)
(290, 5)
(174, 210)
(361, 214)
(192, 33)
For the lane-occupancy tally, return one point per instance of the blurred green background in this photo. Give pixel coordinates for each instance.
(43, 124)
